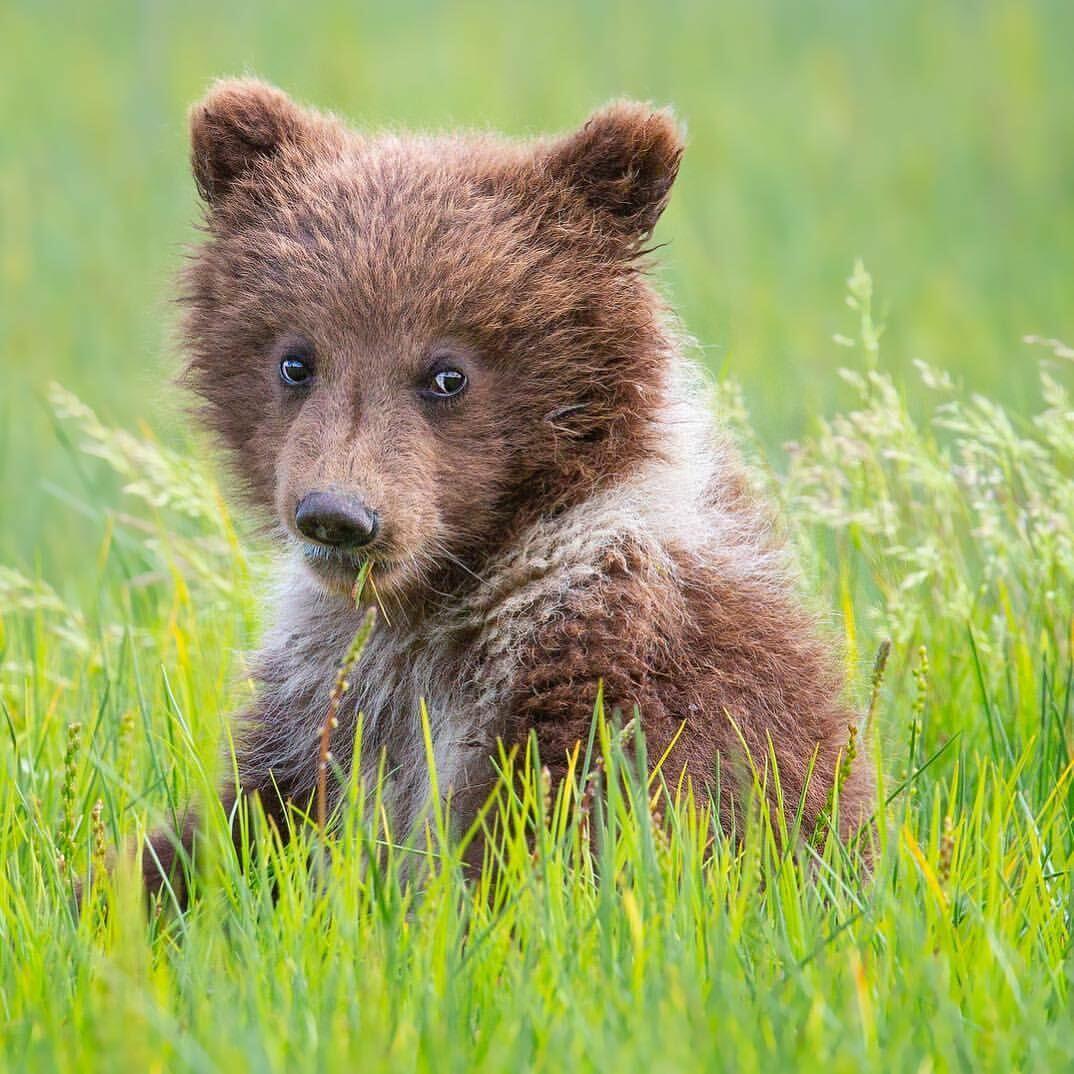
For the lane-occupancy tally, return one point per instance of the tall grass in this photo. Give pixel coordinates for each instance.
(616, 927)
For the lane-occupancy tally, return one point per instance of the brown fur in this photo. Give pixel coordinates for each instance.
(526, 554)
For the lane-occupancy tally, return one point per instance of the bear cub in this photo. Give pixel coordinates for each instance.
(441, 355)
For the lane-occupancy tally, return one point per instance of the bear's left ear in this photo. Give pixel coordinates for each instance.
(623, 162)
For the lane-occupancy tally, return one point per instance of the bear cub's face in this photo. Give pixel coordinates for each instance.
(410, 344)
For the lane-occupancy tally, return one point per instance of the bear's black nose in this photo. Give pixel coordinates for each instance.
(333, 518)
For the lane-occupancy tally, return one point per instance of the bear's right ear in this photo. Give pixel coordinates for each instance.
(240, 122)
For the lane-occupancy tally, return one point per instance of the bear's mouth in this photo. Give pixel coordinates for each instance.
(325, 554)
(338, 567)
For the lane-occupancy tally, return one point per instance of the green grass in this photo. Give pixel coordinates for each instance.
(670, 947)
(932, 505)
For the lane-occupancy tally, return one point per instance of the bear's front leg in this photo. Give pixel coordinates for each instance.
(169, 856)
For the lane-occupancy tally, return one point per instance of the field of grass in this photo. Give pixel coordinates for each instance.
(929, 489)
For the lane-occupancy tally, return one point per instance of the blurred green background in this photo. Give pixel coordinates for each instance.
(934, 140)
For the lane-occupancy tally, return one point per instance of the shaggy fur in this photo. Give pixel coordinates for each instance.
(571, 519)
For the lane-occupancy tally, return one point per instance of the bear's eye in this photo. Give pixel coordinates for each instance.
(296, 369)
(446, 383)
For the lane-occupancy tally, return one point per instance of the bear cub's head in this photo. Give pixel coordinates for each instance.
(411, 345)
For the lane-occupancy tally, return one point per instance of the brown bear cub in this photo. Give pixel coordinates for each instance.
(442, 355)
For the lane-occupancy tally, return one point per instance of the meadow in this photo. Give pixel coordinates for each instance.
(910, 411)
